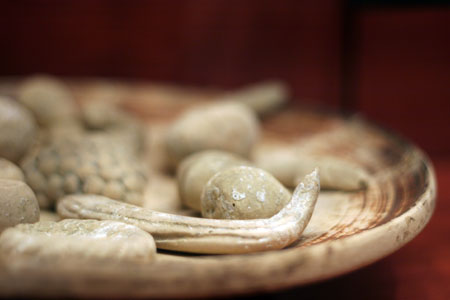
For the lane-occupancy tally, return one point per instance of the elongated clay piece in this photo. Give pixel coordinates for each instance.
(241, 193)
(194, 172)
(228, 126)
(77, 240)
(264, 97)
(199, 235)
(338, 174)
(289, 165)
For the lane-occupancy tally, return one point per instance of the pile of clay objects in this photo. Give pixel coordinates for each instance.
(75, 181)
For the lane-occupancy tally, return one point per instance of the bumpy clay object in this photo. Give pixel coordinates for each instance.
(17, 204)
(227, 126)
(241, 193)
(195, 171)
(77, 240)
(90, 164)
(17, 130)
(199, 235)
(8, 170)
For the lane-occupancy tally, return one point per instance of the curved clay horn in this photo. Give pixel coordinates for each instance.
(189, 234)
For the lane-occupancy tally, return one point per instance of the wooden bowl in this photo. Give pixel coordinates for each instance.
(348, 230)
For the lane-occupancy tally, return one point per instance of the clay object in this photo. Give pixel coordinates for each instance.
(110, 118)
(17, 130)
(241, 193)
(264, 97)
(161, 194)
(49, 215)
(77, 240)
(194, 172)
(18, 204)
(289, 165)
(9, 170)
(227, 126)
(91, 164)
(48, 99)
(200, 235)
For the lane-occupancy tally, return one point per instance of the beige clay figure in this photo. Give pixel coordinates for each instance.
(77, 241)
(228, 126)
(92, 164)
(109, 118)
(264, 97)
(92, 150)
(18, 204)
(9, 170)
(288, 164)
(17, 130)
(194, 172)
(200, 235)
(241, 193)
(48, 99)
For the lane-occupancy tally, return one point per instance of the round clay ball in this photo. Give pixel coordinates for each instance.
(194, 172)
(18, 204)
(48, 98)
(227, 126)
(243, 193)
(17, 130)
(8, 170)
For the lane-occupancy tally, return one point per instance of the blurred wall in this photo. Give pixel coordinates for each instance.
(203, 42)
(402, 72)
(391, 63)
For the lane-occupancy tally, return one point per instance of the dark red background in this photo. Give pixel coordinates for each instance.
(391, 63)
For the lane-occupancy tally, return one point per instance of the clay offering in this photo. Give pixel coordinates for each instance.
(241, 193)
(9, 170)
(17, 130)
(77, 240)
(227, 126)
(195, 171)
(17, 204)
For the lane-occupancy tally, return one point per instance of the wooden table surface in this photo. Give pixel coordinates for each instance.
(419, 270)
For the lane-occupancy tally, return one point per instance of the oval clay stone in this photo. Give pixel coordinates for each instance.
(17, 130)
(18, 204)
(48, 98)
(9, 170)
(243, 193)
(195, 171)
(228, 126)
